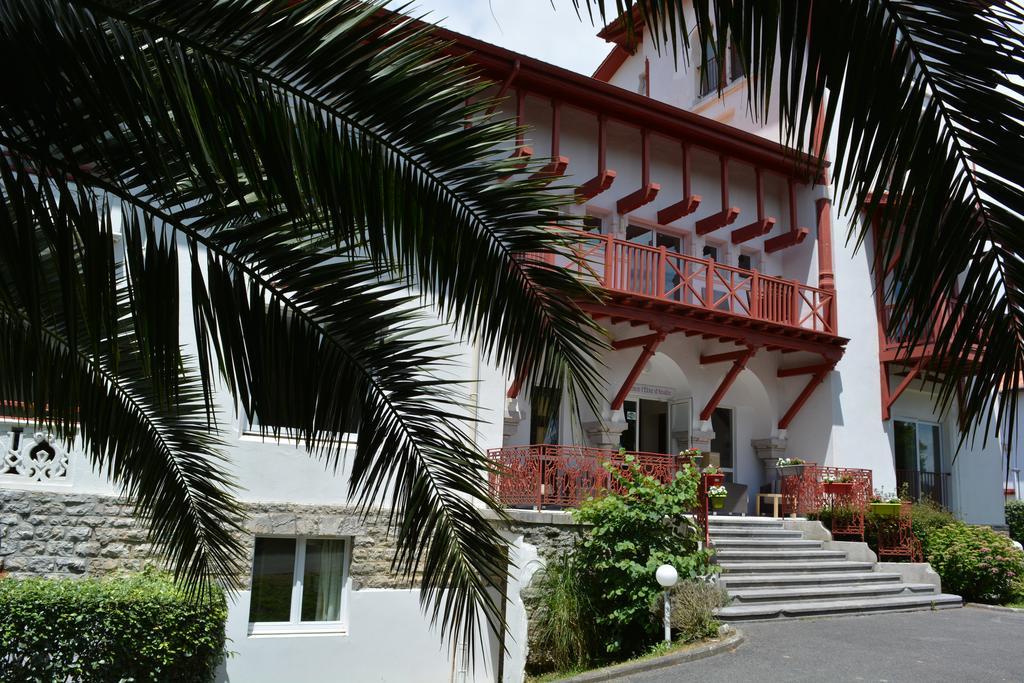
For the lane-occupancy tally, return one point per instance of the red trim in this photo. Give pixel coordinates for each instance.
(805, 370)
(558, 163)
(723, 357)
(763, 225)
(795, 235)
(728, 213)
(618, 31)
(638, 367)
(611, 64)
(605, 176)
(635, 341)
(690, 202)
(740, 362)
(648, 191)
(630, 108)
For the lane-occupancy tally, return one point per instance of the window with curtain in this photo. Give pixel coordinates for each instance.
(298, 584)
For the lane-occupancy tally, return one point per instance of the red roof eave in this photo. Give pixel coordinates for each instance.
(628, 107)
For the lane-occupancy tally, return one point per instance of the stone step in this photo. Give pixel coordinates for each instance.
(837, 592)
(817, 608)
(794, 554)
(744, 522)
(764, 543)
(795, 567)
(752, 532)
(732, 582)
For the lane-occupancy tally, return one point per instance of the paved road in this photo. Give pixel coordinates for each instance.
(968, 644)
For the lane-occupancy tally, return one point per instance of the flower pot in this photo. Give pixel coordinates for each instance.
(714, 479)
(838, 488)
(717, 503)
(791, 470)
(886, 509)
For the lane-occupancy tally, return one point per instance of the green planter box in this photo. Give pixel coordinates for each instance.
(717, 503)
(886, 509)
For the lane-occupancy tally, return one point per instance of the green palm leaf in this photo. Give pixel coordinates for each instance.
(310, 162)
(925, 100)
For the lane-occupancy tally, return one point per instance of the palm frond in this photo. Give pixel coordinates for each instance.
(924, 99)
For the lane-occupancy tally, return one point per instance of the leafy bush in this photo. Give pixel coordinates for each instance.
(633, 533)
(975, 562)
(562, 634)
(1015, 519)
(693, 609)
(138, 628)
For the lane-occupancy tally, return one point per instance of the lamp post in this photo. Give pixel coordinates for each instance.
(667, 577)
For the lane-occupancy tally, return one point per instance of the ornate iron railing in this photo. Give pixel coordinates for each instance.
(655, 272)
(817, 487)
(548, 476)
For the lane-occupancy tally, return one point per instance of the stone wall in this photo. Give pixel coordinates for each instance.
(50, 534)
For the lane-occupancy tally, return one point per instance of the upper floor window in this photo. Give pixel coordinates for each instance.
(545, 403)
(710, 251)
(725, 70)
(298, 584)
(593, 224)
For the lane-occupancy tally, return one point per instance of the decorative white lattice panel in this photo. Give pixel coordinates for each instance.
(33, 456)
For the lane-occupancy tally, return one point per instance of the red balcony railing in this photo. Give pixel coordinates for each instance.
(932, 486)
(658, 273)
(899, 334)
(555, 477)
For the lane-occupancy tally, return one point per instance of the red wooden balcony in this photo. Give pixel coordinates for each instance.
(899, 342)
(554, 476)
(665, 276)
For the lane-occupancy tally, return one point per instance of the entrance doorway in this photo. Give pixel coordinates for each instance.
(647, 426)
(918, 453)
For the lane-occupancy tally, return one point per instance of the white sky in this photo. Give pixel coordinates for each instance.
(546, 29)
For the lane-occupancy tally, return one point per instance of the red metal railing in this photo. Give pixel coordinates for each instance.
(925, 485)
(555, 476)
(900, 335)
(818, 487)
(658, 273)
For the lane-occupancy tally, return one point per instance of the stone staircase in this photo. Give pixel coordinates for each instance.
(772, 572)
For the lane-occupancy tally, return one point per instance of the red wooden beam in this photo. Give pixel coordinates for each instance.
(884, 382)
(638, 367)
(605, 176)
(763, 225)
(795, 235)
(728, 213)
(517, 384)
(634, 341)
(689, 203)
(648, 190)
(805, 370)
(722, 357)
(730, 377)
(817, 379)
(902, 386)
(558, 163)
(505, 86)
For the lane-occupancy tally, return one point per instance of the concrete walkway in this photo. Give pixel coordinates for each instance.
(960, 645)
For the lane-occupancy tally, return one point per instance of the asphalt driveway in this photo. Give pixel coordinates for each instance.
(968, 644)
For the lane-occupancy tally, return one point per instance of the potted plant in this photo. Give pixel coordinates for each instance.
(837, 485)
(886, 504)
(693, 455)
(790, 467)
(713, 475)
(716, 496)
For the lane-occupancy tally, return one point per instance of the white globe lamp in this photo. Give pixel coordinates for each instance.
(667, 577)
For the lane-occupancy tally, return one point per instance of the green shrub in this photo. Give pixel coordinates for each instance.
(1015, 519)
(693, 610)
(975, 562)
(632, 534)
(138, 628)
(562, 633)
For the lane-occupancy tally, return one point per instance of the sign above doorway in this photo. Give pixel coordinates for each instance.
(652, 390)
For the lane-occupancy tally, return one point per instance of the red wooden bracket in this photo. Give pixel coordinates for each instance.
(605, 176)
(638, 367)
(737, 367)
(815, 380)
(722, 357)
(635, 341)
(889, 398)
(795, 235)
(689, 203)
(505, 86)
(648, 190)
(558, 163)
(805, 370)
(728, 213)
(517, 384)
(763, 225)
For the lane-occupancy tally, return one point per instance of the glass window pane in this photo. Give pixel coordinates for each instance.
(593, 224)
(672, 243)
(273, 570)
(639, 235)
(544, 406)
(322, 579)
(928, 447)
(710, 252)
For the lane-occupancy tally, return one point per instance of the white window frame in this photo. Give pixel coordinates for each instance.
(248, 431)
(294, 625)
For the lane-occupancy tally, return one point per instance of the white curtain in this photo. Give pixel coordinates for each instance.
(329, 582)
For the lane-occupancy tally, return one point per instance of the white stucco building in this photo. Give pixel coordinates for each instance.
(743, 324)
